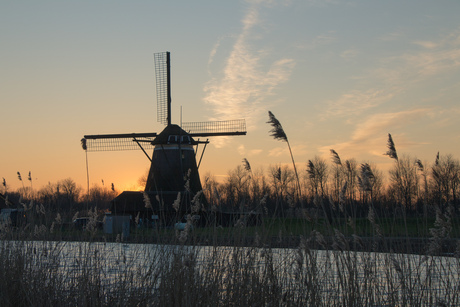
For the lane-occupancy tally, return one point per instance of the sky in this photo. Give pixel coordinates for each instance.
(337, 74)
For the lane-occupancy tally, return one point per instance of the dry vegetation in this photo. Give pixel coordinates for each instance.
(319, 271)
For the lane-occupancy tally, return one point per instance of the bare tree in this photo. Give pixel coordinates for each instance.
(403, 177)
(257, 184)
(424, 172)
(283, 185)
(446, 176)
(69, 189)
(101, 197)
(338, 175)
(351, 170)
(370, 181)
(317, 172)
(210, 190)
(404, 180)
(236, 187)
(366, 181)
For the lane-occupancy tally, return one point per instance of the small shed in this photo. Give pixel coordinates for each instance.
(151, 206)
(115, 224)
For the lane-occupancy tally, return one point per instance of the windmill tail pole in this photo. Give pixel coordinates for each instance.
(87, 182)
(87, 175)
(85, 148)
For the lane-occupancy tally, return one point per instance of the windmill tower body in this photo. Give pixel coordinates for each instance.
(173, 166)
(173, 162)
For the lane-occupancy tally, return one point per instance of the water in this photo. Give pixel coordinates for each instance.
(333, 274)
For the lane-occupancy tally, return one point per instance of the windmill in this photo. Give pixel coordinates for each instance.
(173, 162)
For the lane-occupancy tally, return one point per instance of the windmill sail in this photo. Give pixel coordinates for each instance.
(118, 142)
(163, 85)
(139, 141)
(215, 128)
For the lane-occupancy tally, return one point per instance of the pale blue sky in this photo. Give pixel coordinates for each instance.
(337, 74)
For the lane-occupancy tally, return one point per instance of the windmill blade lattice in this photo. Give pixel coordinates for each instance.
(163, 86)
(215, 128)
(119, 142)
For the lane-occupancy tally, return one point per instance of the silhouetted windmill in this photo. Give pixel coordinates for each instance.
(173, 161)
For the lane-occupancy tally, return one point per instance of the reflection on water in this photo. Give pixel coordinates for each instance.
(330, 275)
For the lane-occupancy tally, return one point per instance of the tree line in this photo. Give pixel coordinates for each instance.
(418, 188)
(415, 186)
(65, 197)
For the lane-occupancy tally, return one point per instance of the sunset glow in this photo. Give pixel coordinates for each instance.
(338, 75)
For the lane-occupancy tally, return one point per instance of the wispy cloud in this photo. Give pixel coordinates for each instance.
(355, 102)
(250, 153)
(213, 52)
(299, 150)
(320, 40)
(429, 58)
(395, 74)
(426, 44)
(246, 81)
(349, 54)
(371, 134)
(434, 62)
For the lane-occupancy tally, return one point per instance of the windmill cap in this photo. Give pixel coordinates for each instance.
(173, 134)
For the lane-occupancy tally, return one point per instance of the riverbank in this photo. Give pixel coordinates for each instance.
(409, 236)
(404, 245)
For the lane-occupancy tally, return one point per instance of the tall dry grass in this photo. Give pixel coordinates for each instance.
(317, 270)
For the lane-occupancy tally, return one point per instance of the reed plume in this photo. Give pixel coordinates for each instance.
(349, 166)
(176, 204)
(420, 165)
(277, 174)
(335, 157)
(391, 148)
(246, 165)
(30, 179)
(20, 179)
(311, 170)
(366, 179)
(147, 202)
(277, 132)
(367, 171)
(435, 168)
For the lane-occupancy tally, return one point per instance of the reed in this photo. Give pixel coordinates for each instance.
(277, 132)
(322, 267)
